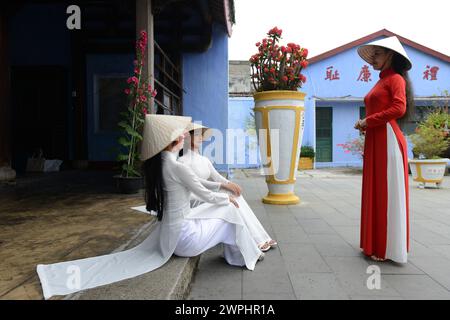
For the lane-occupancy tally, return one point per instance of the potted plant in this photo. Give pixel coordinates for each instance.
(306, 161)
(279, 111)
(139, 93)
(430, 141)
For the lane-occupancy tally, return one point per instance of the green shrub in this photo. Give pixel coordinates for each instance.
(432, 137)
(307, 152)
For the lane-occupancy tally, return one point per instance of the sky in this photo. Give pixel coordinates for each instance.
(322, 25)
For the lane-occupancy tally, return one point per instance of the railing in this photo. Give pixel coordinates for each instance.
(168, 83)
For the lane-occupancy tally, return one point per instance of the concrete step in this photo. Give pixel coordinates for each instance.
(170, 282)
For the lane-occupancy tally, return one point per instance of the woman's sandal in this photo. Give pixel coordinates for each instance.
(264, 247)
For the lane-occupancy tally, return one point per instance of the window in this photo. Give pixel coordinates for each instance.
(110, 101)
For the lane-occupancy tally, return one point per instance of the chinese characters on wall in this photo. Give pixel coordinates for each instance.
(430, 73)
(332, 74)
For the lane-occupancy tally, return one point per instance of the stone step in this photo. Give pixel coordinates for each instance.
(170, 282)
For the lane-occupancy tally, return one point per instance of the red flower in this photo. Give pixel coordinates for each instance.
(305, 52)
(144, 111)
(127, 91)
(284, 78)
(143, 98)
(304, 64)
(258, 44)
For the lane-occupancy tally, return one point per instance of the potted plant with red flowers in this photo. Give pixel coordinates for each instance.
(139, 93)
(276, 74)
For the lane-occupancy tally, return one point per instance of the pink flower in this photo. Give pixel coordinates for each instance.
(154, 93)
(143, 98)
(127, 91)
(144, 111)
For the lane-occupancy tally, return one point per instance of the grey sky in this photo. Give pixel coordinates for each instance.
(322, 25)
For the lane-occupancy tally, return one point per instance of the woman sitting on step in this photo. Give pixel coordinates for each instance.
(206, 172)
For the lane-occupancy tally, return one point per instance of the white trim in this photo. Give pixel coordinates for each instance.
(396, 233)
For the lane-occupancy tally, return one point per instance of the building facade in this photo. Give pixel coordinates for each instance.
(337, 82)
(64, 65)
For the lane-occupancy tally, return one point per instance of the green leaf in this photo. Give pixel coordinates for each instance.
(124, 141)
(122, 157)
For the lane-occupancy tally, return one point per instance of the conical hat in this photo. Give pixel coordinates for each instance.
(159, 131)
(206, 132)
(366, 51)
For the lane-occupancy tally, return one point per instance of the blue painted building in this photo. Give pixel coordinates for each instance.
(337, 82)
(61, 89)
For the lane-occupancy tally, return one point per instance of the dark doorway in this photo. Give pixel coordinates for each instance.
(39, 108)
(324, 134)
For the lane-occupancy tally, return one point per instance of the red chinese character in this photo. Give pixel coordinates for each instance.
(430, 73)
(332, 76)
(365, 74)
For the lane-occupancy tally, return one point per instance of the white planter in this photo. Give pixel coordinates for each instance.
(281, 114)
(428, 171)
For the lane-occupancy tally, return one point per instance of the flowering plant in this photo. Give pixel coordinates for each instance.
(139, 93)
(354, 146)
(277, 67)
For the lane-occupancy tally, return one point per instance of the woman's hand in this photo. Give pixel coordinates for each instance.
(233, 201)
(233, 187)
(361, 125)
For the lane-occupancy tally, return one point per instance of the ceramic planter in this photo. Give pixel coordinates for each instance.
(129, 185)
(428, 171)
(280, 112)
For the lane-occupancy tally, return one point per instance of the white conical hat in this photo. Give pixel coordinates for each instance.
(159, 131)
(206, 132)
(366, 51)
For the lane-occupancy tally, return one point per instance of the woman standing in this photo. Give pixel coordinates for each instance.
(385, 198)
(179, 230)
(207, 174)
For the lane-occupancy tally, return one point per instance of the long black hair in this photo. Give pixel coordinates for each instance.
(153, 182)
(400, 66)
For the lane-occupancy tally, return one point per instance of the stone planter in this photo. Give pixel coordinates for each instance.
(428, 171)
(282, 113)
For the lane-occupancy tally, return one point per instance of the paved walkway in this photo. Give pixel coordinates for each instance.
(318, 255)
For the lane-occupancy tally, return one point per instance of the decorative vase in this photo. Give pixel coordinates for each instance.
(306, 163)
(281, 111)
(129, 185)
(428, 171)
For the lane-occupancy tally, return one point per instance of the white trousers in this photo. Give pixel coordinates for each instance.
(199, 235)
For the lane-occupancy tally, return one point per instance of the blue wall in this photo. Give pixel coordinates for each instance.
(205, 81)
(240, 117)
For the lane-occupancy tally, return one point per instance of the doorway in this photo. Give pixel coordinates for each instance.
(324, 134)
(39, 113)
